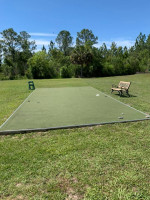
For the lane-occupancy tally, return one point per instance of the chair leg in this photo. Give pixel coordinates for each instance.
(120, 93)
(127, 92)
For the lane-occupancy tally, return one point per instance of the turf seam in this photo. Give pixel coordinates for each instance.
(15, 110)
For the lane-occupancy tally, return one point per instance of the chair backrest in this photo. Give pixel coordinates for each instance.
(30, 82)
(124, 85)
(31, 85)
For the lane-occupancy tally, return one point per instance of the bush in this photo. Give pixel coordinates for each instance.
(108, 69)
(118, 66)
(38, 64)
(68, 71)
(29, 73)
(54, 69)
(7, 70)
(77, 71)
(132, 65)
(41, 67)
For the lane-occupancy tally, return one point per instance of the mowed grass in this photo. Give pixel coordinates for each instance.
(109, 162)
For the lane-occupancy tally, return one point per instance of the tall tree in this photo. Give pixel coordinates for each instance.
(9, 43)
(17, 49)
(0, 55)
(140, 42)
(125, 52)
(113, 49)
(10, 46)
(82, 55)
(50, 47)
(86, 36)
(103, 50)
(148, 43)
(43, 48)
(64, 41)
(26, 48)
(26, 44)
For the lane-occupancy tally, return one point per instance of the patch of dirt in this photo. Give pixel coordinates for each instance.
(15, 137)
(90, 128)
(66, 187)
(71, 195)
(18, 185)
(135, 189)
(74, 180)
(18, 197)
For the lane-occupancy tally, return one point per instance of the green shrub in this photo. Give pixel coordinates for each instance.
(40, 66)
(108, 69)
(131, 65)
(68, 71)
(29, 73)
(7, 70)
(54, 69)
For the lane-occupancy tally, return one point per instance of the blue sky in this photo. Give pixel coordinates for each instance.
(111, 20)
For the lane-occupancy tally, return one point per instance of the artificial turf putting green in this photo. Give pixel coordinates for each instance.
(48, 108)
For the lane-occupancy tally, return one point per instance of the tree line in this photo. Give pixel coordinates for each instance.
(63, 59)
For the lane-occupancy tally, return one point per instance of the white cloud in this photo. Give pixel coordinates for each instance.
(122, 43)
(43, 34)
(42, 42)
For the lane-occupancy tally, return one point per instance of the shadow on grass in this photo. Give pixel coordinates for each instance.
(125, 95)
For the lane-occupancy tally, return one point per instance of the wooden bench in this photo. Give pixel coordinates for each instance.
(122, 87)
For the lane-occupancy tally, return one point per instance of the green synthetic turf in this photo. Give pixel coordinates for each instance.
(70, 106)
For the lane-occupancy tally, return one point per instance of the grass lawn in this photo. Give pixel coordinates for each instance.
(110, 162)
